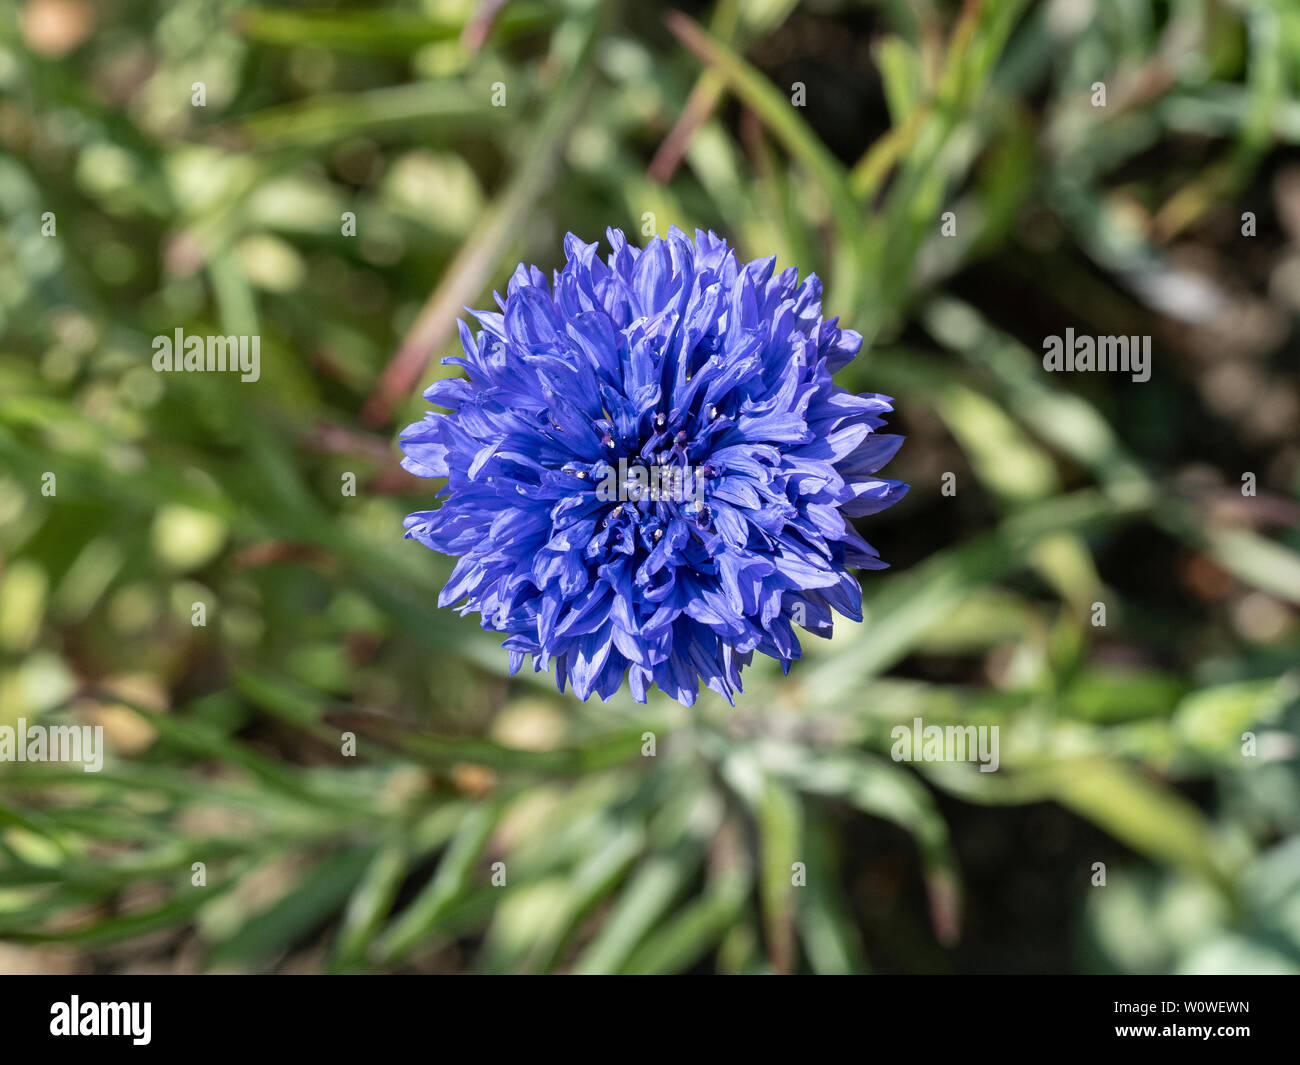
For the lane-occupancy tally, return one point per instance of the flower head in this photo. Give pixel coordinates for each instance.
(650, 469)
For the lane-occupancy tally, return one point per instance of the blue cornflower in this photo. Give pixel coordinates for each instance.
(649, 467)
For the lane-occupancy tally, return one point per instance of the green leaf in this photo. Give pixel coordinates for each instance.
(686, 936)
(654, 885)
(318, 895)
(421, 918)
(1145, 815)
(779, 832)
(799, 139)
(377, 32)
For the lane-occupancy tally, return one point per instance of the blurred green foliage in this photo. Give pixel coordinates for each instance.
(1120, 744)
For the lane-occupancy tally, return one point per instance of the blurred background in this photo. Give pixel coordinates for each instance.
(195, 164)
